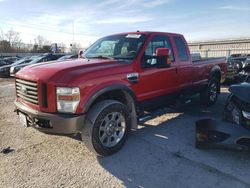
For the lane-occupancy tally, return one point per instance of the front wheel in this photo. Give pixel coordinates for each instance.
(106, 127)
(210, 94)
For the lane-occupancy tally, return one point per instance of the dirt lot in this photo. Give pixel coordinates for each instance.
(160, 154)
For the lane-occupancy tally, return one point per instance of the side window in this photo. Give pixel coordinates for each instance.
(181, 49)
(157, 42)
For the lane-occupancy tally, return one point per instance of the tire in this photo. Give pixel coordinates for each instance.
(106, 127)
(210, 95)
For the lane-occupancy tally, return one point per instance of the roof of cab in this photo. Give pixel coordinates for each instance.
(146, 33)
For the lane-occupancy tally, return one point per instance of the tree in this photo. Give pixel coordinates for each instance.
(1, 35)
(5, 46)
(41, 41)
(13, 38)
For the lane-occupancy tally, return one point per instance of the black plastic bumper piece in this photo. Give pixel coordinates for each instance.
(212, 134)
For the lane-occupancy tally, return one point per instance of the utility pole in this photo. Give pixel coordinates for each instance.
(73, 31)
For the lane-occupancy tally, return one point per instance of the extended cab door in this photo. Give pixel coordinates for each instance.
(185, 66)
(153, 81)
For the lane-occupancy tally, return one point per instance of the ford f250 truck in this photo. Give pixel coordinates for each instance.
(102, 95)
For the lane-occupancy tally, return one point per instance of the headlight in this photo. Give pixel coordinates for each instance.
(11, 69)
(67, 99)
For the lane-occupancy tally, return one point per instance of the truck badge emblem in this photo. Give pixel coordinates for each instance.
(23, 90)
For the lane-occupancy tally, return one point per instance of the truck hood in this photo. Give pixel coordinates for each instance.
(65, 71)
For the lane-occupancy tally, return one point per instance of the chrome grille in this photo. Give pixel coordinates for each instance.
(27, 90)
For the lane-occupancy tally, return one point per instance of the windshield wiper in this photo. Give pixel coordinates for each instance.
(101, 57)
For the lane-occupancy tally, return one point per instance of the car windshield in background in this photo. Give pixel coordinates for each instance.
(2, 63)
(24, 60)
(37, 59)
(116, 47)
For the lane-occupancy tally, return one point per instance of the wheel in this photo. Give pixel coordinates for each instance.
(106, 127)
(210, 94)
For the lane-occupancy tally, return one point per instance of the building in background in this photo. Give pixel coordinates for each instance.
(221, 48)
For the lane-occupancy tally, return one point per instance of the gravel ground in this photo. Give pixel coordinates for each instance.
(160, 154)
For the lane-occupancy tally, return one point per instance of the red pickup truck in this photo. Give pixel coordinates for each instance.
(103, 94)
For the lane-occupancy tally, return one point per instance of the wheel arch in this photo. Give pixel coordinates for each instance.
(119, 92)
(216, 72)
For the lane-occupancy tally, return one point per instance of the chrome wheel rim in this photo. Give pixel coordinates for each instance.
(112, 129)
(213, 91)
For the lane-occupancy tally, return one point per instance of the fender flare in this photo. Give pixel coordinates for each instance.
(215, 70)
(98, 93)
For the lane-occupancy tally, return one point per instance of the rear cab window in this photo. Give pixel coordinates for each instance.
(181, 49)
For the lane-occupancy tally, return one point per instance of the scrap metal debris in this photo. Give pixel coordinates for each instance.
(7, 150)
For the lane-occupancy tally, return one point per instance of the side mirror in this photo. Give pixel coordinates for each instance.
(163, 57)
(162, 52)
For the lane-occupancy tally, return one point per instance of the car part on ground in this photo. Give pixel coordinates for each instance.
(234, 132)
(212, 134)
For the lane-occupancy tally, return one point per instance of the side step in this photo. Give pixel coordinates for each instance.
(153, 114)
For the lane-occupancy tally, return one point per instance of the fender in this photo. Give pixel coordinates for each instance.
(215, 70)
(110, 88)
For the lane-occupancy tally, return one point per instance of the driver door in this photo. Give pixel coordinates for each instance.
(156, 82)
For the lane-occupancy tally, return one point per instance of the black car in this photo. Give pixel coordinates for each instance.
(12, 58)
(238, 60)
(5, 70)
(236, 64)
(5, 62)
(39, 59)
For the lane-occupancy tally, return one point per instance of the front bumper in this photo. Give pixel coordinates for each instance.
(51, 123)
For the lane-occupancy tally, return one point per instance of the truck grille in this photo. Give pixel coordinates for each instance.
(27, 90)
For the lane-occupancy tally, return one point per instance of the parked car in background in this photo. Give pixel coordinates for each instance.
(39, 59)
(5, 70)
(5, 62)
(74, 56)
(236, 65)
(12, 58)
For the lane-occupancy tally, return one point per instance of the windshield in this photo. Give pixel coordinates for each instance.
(124, 46)
(24, 60)
(37, 59)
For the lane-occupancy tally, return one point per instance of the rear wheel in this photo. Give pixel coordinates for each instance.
(106, 127)
(210, 94)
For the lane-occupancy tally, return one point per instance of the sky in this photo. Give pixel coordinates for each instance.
(84, 21)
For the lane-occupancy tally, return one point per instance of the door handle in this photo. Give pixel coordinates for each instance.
(133, 77)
